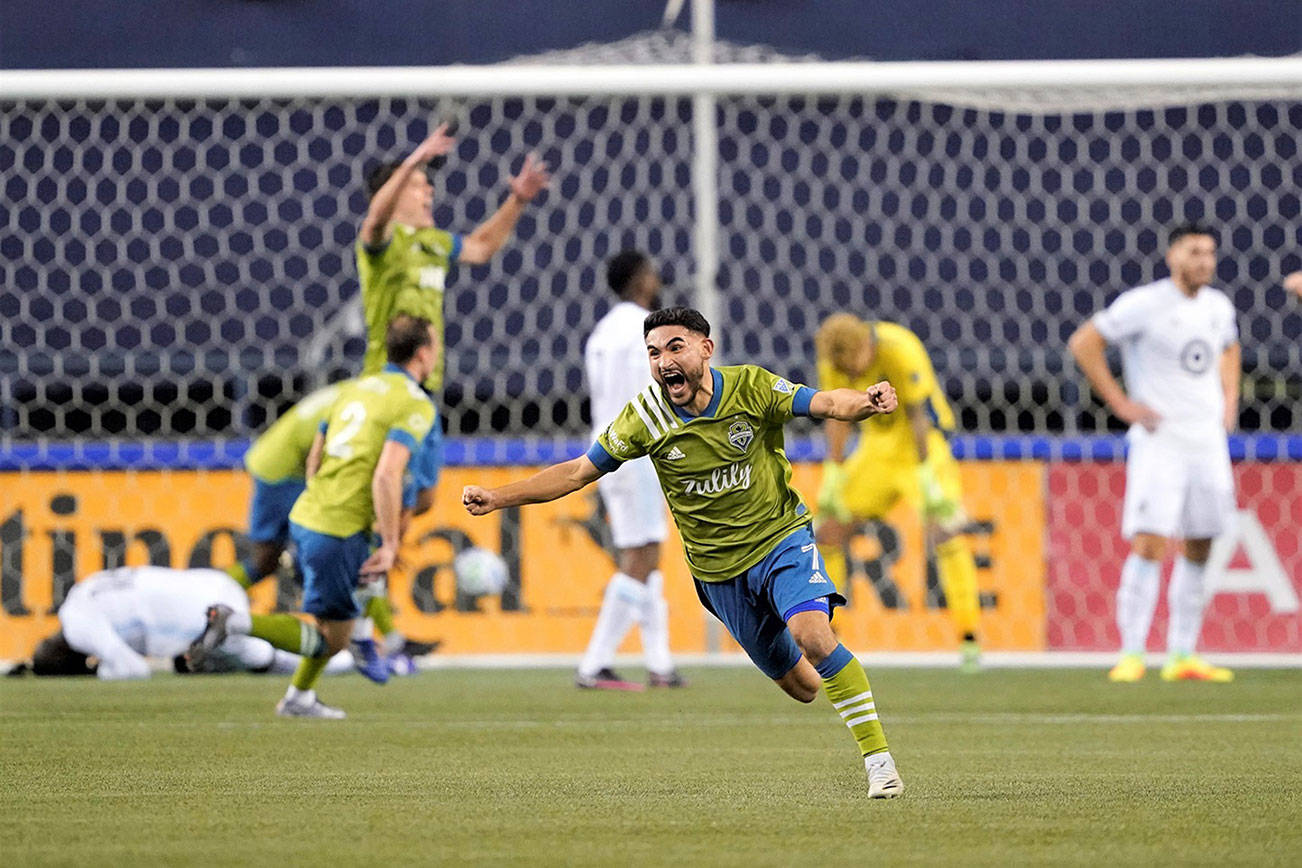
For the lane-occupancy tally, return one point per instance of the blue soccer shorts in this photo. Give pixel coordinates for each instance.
(269, 509)
(330, 567)
(754, 606)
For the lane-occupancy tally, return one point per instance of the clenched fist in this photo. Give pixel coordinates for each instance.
(882, 397)
(477, 501)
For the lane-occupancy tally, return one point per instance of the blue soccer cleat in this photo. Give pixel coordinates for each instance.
(367, 660)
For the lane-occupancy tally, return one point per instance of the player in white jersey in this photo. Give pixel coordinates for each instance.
(123, 616)
(615, 360)
(1181, 359)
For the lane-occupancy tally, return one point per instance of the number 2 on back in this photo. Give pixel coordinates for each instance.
(353, 415)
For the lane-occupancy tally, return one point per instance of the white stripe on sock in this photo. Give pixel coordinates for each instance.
(853, 699)
(855, 709)
(855, 721)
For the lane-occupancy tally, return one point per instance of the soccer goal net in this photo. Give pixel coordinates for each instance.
(177, 270)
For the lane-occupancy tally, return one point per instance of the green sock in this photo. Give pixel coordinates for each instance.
(379, 611)
(240, 573)
(289, 634)
(847, 687)
(309, 670)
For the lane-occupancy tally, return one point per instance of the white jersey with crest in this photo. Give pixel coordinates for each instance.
(1171, 345)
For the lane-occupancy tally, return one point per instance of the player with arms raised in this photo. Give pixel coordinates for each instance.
(1181, 358)
(715, 438)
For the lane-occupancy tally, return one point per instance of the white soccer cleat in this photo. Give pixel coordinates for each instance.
(883, 780)
(307, 705)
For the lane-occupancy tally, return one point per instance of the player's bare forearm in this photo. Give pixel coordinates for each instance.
(386, 492)
(546, 485)
(852, 405)
(920, 426)
(1231, 375)
(313, 463)
(1089, 349)
(838, 437)
(482, 245)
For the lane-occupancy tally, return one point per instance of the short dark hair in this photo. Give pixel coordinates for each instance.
(623, 267)
(1193, 227)
(377, 175)
(54, 656)
(405, 335)
(689, 318)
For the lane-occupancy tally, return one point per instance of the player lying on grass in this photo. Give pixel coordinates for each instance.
(276, 462)
(355, 472)
(121, 617)
(715, 438)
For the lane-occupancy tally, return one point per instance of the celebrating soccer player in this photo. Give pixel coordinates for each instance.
(1181, 358)
(277, 462)
(899, 456)
(615, 360)
(355, 475)
(715, 438)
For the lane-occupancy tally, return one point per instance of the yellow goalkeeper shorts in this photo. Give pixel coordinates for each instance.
(876, 480)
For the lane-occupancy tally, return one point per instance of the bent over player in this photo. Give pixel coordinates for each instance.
(903, 456)
(715, 438)
(1181, 358)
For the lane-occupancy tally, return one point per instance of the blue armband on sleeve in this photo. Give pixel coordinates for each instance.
(397, 435)
(456, 249)
(800, 403)
(604, 461)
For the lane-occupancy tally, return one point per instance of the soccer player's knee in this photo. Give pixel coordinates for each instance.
(1149, 546)
(1197, 550)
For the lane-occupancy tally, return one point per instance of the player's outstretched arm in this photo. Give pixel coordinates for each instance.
(482, 244)
(1088, 347)
(545, 485)
(378, 225)
(851, 405)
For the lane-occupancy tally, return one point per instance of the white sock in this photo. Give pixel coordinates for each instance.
(619, 609)
(363, 628)
(293, 694)
(880, 758)
(1136, 600)
(1184, 597)
(239, 622)
(655, 626)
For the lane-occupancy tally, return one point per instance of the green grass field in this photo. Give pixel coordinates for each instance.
(517, 767)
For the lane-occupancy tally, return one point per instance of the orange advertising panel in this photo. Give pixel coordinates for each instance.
(56, 527)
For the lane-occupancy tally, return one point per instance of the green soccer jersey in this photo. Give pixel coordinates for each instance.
(367, 412)
(407, 275)
(724, 473)
(279, 453)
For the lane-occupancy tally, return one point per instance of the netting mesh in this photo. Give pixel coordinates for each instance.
(179, 269)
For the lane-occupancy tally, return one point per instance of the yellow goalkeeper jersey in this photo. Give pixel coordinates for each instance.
(900, 358)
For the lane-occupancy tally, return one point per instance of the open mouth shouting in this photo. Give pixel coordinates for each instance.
(675, 382)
